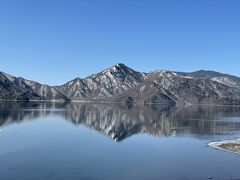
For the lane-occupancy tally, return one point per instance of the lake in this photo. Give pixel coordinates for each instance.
(66, 141)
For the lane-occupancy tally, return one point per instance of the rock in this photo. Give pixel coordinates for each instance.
(120, 83)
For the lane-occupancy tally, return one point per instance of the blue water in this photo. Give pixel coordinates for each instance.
(105, 141)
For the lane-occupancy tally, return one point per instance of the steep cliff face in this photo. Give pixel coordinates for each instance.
(120, 83)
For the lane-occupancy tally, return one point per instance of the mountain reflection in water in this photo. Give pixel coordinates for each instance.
(119, 122)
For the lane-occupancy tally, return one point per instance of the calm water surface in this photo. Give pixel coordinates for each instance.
(66, 141)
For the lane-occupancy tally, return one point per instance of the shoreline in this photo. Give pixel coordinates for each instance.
(118, 102)
(229, 145)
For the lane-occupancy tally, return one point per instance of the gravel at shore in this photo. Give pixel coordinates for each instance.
(227, 145)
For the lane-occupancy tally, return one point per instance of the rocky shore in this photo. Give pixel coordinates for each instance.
(227, 145)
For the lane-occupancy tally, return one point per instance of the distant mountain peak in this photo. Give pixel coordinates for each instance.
(121, 65)
(120, 70)
(120, 83)
(117, 67)
(77, 79)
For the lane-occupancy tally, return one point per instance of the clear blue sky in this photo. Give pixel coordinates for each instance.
(53, 41)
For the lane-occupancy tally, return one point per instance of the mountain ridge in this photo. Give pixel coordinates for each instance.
(120, 83)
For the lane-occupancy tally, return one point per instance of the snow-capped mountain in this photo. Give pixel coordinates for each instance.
(12, 88)
(218, 77)
(44, 91)
(120, 83)
(110, 82)
(173, 87)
